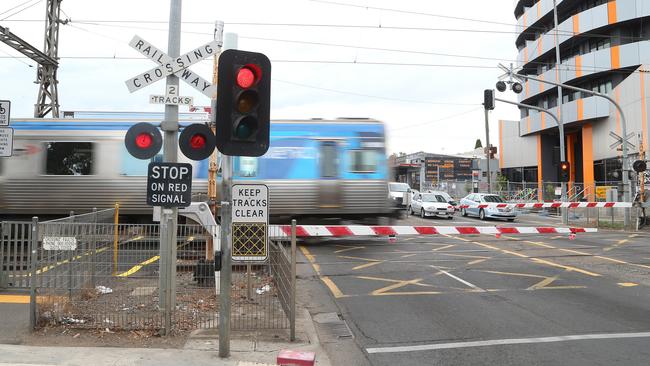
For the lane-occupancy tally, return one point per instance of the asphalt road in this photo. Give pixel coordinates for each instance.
(477, 300)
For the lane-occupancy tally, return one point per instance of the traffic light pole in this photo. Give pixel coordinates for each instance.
(560, 127)
(624, 158)
(487, 142)
(565, 216)
(169, 216)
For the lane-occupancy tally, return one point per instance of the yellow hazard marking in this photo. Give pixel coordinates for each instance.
(409, 255)
(371, 261)
(347, 248)
(621, 262)
(476, 261)
(332, 286)
(14, 299)
(443, 247)
(618, 244)
(326, 280)
(627, 284)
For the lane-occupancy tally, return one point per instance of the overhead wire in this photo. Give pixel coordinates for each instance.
(21, 10)
(17, 6)
(438, 120)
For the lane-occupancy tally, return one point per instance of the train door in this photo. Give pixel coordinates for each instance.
(329, 192)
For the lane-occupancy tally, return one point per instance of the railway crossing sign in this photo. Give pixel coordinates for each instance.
(168, 66)
(169, 184)
(6, 141)
(619, 140)
(5, 109)
(250, 222)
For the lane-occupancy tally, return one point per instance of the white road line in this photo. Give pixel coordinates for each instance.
(458, 279)
(500, 342)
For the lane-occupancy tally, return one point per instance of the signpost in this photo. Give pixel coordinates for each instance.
(250, 222)
(169, 184)
(5, 109)
(59, 243)
(6, 141)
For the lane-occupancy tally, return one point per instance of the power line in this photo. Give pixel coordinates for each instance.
(372, 96)
(17, 6)
(16, 58)
(21, 10)
(438, 120)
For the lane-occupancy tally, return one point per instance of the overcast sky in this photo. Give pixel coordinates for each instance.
(432, 106)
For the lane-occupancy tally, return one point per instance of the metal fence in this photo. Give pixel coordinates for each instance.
(100, 275)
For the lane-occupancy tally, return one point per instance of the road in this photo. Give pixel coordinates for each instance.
(476, 300)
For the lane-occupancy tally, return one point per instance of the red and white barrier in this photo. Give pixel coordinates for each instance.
(550, 205)
(284, 231)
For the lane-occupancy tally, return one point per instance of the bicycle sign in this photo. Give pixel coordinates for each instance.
(5, 107)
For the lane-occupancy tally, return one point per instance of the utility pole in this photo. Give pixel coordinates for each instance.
(230, 42)
(487, 153)
(169, 216)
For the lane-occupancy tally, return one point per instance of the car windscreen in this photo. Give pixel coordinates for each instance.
(398, 187)
(433, 198)
(492, 199)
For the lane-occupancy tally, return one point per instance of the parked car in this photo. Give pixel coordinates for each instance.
(447, 197)
(474, 199)
(396, 193)
(431, 204)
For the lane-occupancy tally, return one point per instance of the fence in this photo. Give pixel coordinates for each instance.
(106, 275)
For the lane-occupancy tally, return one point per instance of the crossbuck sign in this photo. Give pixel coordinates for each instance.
(177, 66)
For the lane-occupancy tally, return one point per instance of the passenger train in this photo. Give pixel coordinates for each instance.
(318, 169)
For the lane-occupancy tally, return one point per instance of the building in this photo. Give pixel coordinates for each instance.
(605, 47)
(453, 173)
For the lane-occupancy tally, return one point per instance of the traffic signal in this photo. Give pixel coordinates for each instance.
(488, 99)
(639, 166)
(197, 141)
(565, 171)
(243, 103)
(501, 86)
(143, 140)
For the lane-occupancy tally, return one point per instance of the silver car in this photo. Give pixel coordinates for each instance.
(474, 199)
(430, 204)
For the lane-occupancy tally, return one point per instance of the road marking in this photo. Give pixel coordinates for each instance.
(138, 267)
(627, 284)
(14, 299)
(384, 291)
(326, 280)
(371, 262)
(468, 284)
(501, 342)
(621, 262)
(618, 244)
(347, 248)
(443, 247)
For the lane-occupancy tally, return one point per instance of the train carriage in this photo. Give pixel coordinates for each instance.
(318, 169)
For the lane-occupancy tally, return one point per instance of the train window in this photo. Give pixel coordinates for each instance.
(247, 166)
(363, 161)
(69, 158)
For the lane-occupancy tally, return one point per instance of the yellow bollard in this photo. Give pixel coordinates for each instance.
(115, 237)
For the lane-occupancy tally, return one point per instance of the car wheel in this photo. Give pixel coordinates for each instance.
(411, 210)
(450, 217)
(422, 213)
(463, 212)
(481, 214)
(511, 220)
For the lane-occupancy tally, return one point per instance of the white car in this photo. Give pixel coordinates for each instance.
(396, 192)
(431, 204)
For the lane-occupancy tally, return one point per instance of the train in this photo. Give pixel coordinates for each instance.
(317, 170)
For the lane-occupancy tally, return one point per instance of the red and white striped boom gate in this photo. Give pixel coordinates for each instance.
(550, 205)
(302, 231)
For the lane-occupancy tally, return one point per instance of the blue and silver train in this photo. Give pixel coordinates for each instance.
(318, 169)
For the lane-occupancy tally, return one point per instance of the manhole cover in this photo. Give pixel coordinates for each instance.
(331, 327)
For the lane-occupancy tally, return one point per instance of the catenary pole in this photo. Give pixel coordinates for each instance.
(565, 217)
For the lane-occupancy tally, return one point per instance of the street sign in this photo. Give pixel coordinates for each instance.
(59, 243)
(6, 141)
(250, 222)
(5, 109)
(169, 184)
(168, 66)
(170, 99)
(619, 140)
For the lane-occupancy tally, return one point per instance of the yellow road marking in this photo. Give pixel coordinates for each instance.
(326, 280)
(443, 247)
(307, 254)
(366, 265)
(621, 262)
(627, 284)
(371, 261)
(408, 255)
(543, 283)
(618, 243)
(347, 248)
(476, 261)
(14, 299)
(332, 286)
(464, 255)
(396, 286)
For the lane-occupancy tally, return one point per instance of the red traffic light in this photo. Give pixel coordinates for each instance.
(197, 141)
(143, 140)
(248, 75)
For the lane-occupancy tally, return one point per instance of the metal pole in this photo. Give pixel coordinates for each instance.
(230, 42)
(625, 170)
(565, 217)
(293, 281)
(170, 154)
(487, 142)
(32, 281)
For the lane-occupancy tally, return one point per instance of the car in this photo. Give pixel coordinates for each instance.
(396, 193)
(447, 197)
(431, 204)
(474, 199)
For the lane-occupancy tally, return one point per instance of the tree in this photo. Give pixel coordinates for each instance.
(478, 144)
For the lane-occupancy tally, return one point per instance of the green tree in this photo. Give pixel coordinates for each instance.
(478, 144)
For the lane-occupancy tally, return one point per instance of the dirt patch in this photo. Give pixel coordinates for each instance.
(70, 337)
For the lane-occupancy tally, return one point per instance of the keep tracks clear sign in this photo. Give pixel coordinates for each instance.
(250, 222)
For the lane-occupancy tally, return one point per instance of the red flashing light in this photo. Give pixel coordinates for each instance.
(197, 141)
(143, 140)
(245, 77)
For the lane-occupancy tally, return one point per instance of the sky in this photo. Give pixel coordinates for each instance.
(415, 65)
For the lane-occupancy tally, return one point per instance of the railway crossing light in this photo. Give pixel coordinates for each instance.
(517, 87)
(488, 99)
(243, 103)
(143, 140)
(565, 171)
(501, 86)
(197, 141)
(639, 166)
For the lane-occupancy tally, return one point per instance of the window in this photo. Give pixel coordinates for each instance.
(363, 161)
(247, 166)
(494, 199)
(69, 158)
